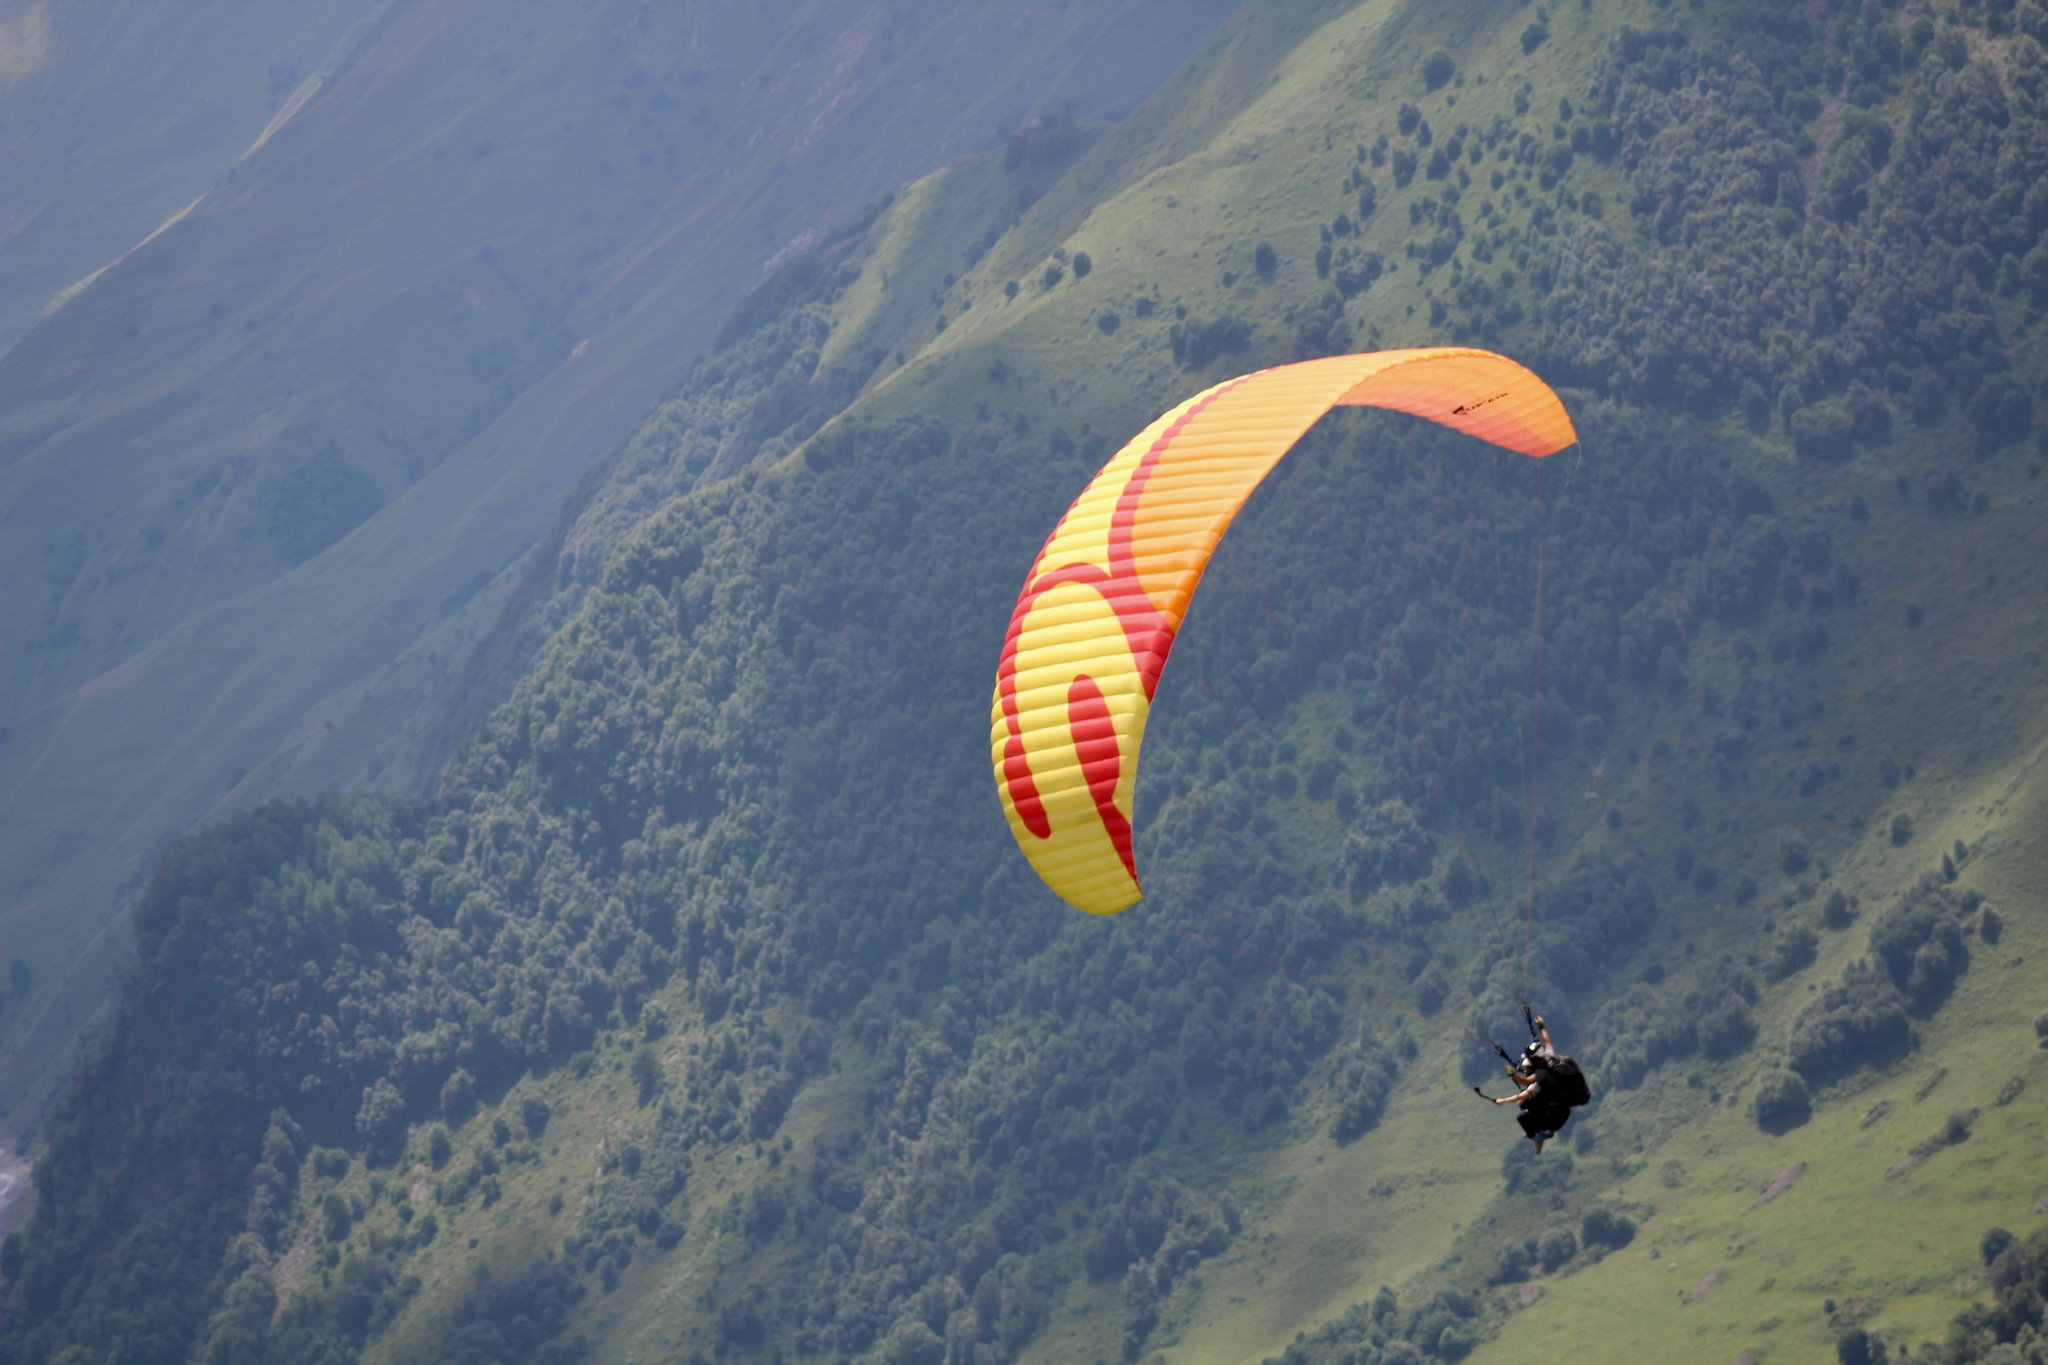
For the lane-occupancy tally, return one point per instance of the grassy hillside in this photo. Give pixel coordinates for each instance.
(707, 1012)
(115, 116)
(269, 475)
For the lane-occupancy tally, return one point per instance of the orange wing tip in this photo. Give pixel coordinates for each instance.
(1481, 393)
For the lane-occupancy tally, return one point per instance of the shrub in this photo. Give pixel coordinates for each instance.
(1921, 946)
(1556, 1246)
(1870, 416)
(1197, 342)
(380, 1121)
(1083, 263)
(913, 1343)
(1902, 829)
(337, 1222)
(763, 1212)
(458, 1095)
(1823, 431)
(1437, 69)
(740, 1323)
(1793, 854)
(1459, 883)
(1356, 270)
(1454, 1342)
(1362, 1086)
(1388, 847)
(1781, 1102)
(1513, 1262)
(1843, 187)
(1792, 950)
(1755, 405)
(1635, 1032)
(1726, 1028)
(2000, 407)
(1605, 1228)
(1431, 990)
(1926, 397)
(1858, 1021)
(2041, 1027)
(646, 1072)
(1322, 329)
(1265, 260)
(1521, 1168)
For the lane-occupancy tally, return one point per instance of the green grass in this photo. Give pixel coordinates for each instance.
(1904, 1247)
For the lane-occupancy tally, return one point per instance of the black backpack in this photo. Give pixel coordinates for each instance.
(1565, 1084)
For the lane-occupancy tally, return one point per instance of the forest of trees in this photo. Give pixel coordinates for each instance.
(748, 780)
(1833, 311)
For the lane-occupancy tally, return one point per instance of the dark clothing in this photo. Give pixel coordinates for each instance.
(1551, 1086)
(1541, 1120)
(1560, 1088)
(1563, 1078)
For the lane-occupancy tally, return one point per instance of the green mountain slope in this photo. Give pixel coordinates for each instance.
(707, 1012)
(260, 476)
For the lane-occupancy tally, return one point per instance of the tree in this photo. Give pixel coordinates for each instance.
(1781, 1102)
(380, 1120)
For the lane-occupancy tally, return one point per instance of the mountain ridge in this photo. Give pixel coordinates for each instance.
(255, 457)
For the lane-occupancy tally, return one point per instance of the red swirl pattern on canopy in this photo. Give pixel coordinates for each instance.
(1100, 608)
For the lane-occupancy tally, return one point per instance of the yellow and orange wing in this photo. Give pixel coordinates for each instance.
(1100, 607)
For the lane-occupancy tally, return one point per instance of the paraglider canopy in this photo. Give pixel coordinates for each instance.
(1097, 617)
